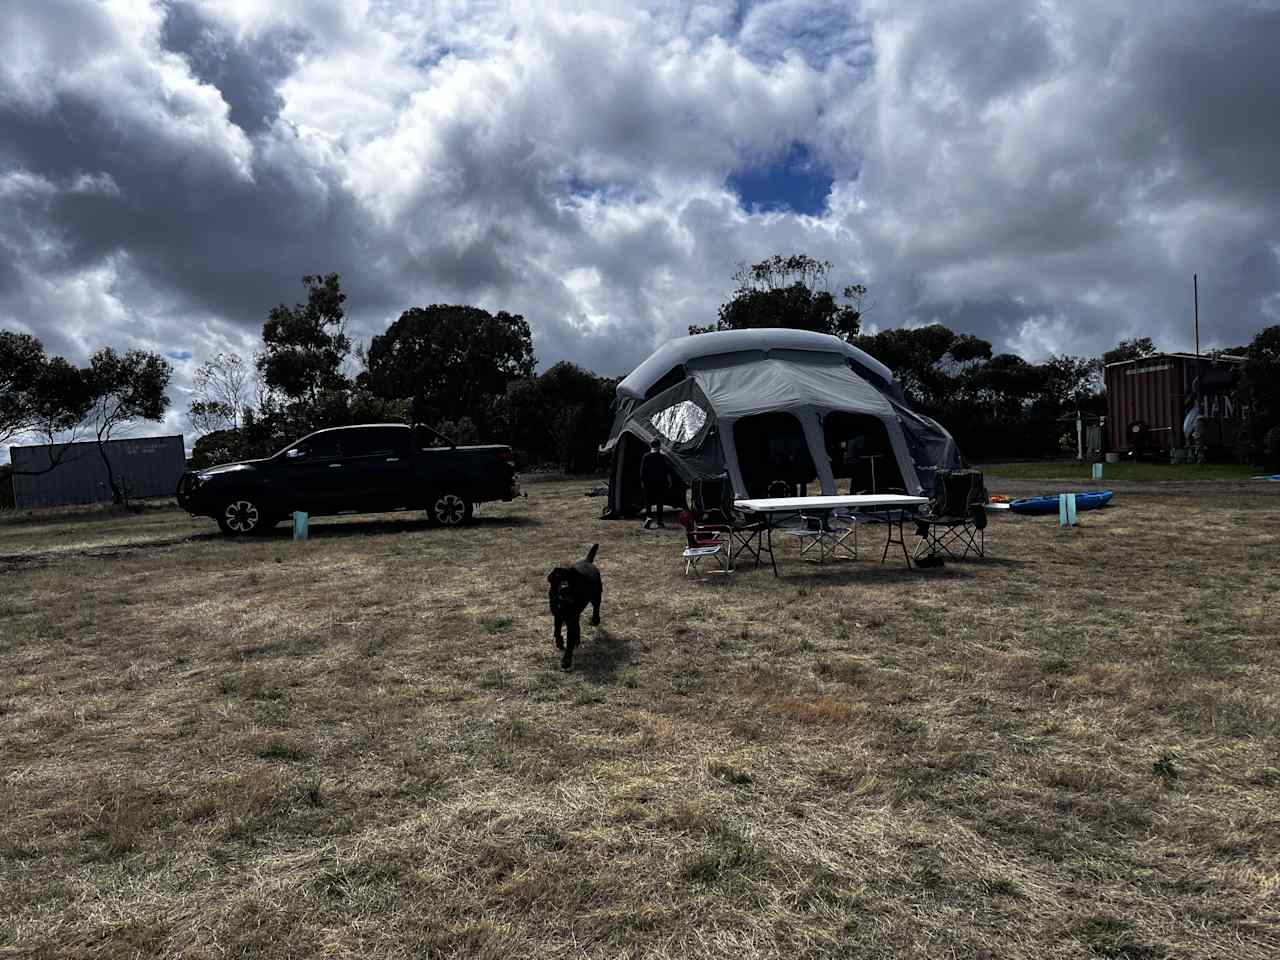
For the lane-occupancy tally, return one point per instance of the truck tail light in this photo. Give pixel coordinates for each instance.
(505, 455)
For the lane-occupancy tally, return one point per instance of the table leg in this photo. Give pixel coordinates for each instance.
(893, 518)
(768, 526)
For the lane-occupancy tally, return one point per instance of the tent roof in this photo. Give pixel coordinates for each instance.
(782, 381)
(673, 353)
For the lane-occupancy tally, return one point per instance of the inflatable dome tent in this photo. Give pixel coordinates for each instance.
(754, 407)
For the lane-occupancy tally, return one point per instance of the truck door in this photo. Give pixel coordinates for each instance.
(376, 467)
(313, 474)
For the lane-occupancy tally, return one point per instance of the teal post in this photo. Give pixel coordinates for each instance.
(1066, 510)
(1097, 471)
(299, 525)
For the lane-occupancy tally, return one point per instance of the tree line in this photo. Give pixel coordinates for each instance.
(472, 374)
(49, 397)
(468, 372)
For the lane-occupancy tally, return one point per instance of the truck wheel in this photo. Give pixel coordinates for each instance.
(450, 510)
(241, 517)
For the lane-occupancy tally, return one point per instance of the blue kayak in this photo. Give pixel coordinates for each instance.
(1084, 501)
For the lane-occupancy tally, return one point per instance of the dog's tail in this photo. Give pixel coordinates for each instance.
(591, 554)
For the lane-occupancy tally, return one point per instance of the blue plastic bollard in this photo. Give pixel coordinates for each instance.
(1071, 509)
(1097, 471)
(299, 525)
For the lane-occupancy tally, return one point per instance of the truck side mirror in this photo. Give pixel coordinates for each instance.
(296, 455)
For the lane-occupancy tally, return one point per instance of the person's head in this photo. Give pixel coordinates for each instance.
(654, 445)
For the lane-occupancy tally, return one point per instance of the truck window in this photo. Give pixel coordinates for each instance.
(321, 448)
(374, 443)
(425, 438)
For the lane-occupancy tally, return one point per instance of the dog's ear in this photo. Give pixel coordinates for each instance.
(557, 573)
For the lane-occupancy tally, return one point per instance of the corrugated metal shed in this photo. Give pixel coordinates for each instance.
(148, 466)
(1160, 389)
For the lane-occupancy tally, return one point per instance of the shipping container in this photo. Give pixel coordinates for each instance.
(146, 466)
(1150, 398)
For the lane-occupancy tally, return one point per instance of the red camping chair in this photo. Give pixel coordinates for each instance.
(713, 510)
(704, 542)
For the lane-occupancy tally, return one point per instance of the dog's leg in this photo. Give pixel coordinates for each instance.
(559, 623)
(575, 631)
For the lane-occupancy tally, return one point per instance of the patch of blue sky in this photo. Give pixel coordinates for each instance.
(795, 183)
(178, 354)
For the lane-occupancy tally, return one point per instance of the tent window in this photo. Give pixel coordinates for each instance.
(680, 422)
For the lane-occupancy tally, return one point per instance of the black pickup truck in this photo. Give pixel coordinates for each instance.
(366, 469)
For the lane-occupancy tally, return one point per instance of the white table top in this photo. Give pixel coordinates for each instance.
(853, 501)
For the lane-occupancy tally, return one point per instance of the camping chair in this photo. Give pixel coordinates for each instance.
(704, 542)
(956, 520)
(817, 533)
(713, 511)
(781, 488)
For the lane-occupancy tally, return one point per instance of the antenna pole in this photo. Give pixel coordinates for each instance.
(1195, 288)
(1195, 292)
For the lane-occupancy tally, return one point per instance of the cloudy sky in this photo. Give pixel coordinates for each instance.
(1047, 175)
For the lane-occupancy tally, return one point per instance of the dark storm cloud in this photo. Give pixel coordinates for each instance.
(1212, 86)
(1086, 159)
(218, 242)
(246, 74)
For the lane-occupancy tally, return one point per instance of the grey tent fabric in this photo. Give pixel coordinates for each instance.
(757, 406)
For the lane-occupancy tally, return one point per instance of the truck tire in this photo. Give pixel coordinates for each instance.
(243, 516)
(448, 509)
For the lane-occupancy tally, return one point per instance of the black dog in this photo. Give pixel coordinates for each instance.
(572, 588)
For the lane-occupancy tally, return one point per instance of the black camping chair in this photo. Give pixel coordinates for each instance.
(956, 521)
(713, 510)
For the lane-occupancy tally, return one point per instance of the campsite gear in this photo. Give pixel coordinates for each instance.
(889, 506)
(1049, 504)
(957, 517)
(1066, 509)
(703, 542)
(758, 406)
(713, 508)
(1273, 477)
(299, 525)
(816, 532)
(1097, 471)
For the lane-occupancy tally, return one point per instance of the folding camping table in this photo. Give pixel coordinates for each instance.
(890, 506)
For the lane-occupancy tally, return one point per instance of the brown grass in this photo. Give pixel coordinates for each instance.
(362, 746)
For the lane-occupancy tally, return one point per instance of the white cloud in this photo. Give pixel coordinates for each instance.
(108, 55)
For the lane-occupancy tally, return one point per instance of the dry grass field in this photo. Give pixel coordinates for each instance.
(362, 746)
